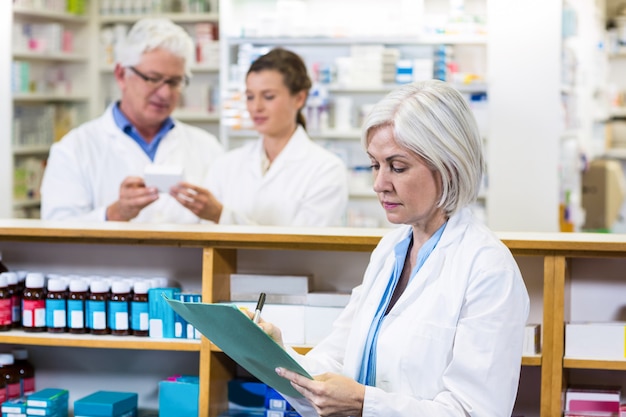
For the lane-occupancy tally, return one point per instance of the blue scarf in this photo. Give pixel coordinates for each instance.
(367, 373)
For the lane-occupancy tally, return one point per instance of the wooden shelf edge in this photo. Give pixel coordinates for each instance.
(606, 364)
(534, 360)
(20, 337)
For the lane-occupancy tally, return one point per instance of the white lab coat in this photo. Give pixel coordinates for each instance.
(306, 185)
(85, 170)
(452, 344)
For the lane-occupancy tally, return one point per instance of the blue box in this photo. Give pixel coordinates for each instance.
(14, 406)
(48, 397)
(179, 398)
(162, 316)
(246, 395)
(275, 401)
(106, 404)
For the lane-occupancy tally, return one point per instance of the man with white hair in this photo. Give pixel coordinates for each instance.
(95, 172)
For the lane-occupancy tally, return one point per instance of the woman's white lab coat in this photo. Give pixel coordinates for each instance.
(306, 185)
(452, 344)
(85, 170)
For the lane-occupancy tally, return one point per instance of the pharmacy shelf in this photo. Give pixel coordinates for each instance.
(477, 87)
(42, 97)
(617, 112)
(423, 40)
(48, 15)
(175, 17)
(339, 134)
(196, 116)
(534, 360)
(20, 337)
(363, 194)
(31, 203)
(31, 150)
(617, 153)
(49, 56)
(614, 365)
(196, 68)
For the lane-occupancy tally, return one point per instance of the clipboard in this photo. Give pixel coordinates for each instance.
(242, 340)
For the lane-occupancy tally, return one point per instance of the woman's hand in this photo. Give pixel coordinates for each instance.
(271, 330)
(331, 395)
(199, 200)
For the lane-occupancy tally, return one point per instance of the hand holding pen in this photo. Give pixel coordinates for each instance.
(259, 307)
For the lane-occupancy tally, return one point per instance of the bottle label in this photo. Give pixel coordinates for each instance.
(118, 315)
(55, 313)
(139, 315)
(96, 315)
(6, 312)
(75, 314)
(3, 395)
(13, 390)
(34, 313)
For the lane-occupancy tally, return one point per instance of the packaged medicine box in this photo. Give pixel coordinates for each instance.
(595, 340)
(107, 404)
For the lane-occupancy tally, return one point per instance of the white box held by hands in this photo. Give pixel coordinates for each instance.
(163, 177)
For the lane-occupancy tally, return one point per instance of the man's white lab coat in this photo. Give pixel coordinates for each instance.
(85, 170)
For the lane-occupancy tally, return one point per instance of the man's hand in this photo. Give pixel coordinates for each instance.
(134, 196)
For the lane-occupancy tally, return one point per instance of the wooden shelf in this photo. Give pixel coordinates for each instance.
(21, 337)
(531, 360)
(615, 365)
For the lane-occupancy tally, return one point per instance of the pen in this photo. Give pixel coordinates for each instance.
(259, 307)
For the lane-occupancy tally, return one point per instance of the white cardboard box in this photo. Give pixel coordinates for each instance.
(269, 284)
(288, 317)
(595, 340)
(163, 177)
(318, 322)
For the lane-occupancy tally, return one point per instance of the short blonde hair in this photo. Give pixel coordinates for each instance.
(433, 120)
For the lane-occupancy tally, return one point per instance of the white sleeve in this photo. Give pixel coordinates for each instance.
(65, 192)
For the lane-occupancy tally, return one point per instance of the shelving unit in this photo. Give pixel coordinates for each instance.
(201, 257)
(55, 72)
(322, 47)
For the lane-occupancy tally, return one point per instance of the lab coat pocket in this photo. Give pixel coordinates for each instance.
(426, 352)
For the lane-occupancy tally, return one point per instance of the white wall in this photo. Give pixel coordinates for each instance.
(6, 110)
(524, 99)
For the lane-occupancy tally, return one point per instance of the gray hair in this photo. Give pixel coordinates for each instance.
(154, 33)
(433, 120)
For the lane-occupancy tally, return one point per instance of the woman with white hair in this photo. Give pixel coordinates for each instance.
(436, 327)
(95, 172)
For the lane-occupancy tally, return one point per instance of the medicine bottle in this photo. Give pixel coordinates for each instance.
(96, 307)
(10, 374)
(76, 301)
(119, 306)
(5, 304)
(139, 315)
(34, 303)
(56, 305)
(3, 267)
(16, 300)
(26, 371)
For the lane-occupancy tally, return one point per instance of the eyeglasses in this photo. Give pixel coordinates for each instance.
(175, 83)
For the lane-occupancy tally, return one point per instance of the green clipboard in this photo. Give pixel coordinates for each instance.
(242, 340)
